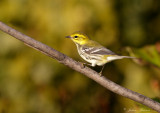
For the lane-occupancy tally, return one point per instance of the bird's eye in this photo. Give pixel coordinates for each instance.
(75, 36)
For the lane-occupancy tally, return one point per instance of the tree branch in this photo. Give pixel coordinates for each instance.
(77, 66)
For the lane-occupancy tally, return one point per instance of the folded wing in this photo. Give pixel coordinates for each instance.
(97, 50)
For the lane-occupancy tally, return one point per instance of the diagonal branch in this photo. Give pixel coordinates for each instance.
(77, 66)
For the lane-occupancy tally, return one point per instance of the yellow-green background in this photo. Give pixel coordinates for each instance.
(31, 82)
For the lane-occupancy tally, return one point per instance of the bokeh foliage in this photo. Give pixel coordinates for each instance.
(31, 82)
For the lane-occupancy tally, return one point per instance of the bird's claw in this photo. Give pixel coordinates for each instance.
(82, 65)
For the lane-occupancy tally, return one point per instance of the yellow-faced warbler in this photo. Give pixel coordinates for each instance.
(92, 51)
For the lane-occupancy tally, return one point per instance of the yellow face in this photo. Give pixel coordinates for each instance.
(78, 38)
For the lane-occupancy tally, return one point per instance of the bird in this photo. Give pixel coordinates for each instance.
(93, 52)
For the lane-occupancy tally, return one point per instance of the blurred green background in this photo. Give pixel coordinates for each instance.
(31, 82)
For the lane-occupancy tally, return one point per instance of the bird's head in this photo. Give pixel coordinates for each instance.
(78, 38)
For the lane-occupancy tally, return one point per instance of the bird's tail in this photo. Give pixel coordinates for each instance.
(118, 57)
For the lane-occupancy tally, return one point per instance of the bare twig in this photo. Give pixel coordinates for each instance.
(77, 66)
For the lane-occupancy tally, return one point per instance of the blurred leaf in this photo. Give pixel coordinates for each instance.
(148, 53)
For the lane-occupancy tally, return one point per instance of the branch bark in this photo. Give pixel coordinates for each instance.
(77, 67)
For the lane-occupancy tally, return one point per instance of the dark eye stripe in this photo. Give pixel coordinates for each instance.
(75, 36)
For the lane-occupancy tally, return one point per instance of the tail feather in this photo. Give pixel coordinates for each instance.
(110, 58)
(126, 57)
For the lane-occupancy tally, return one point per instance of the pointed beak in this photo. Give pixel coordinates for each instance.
(68, 36)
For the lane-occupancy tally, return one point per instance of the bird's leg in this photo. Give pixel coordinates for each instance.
(83, 64)
(101, 70)
(87, 64)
